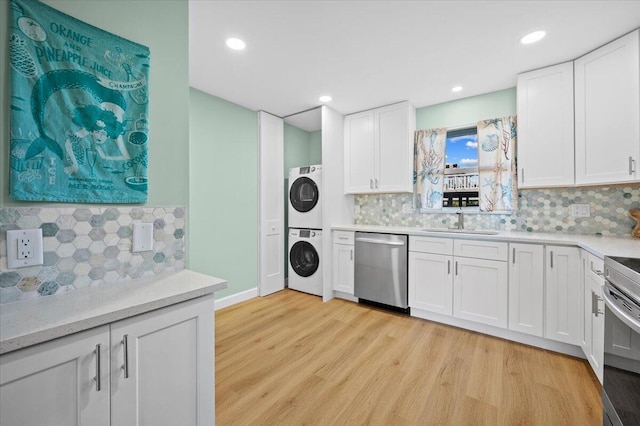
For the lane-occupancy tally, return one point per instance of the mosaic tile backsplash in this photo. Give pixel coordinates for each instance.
(89, 246)
(543, 210)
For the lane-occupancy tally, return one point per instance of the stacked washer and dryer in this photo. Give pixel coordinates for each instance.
(305, 229)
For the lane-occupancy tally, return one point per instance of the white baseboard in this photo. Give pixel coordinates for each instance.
(236, 298)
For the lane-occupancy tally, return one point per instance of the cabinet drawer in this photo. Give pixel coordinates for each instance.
(489, 250)
(343, 237)
(595, 268)
(431, 245)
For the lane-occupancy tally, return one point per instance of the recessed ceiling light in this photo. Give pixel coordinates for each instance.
(325, 98)
(533, 37)
(456, 89)
(236, 44)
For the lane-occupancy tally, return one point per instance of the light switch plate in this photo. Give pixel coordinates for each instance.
(142, 237)
(580, 210)
(24, 248)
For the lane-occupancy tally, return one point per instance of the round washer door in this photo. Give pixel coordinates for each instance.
(303, 194)
(304, 259)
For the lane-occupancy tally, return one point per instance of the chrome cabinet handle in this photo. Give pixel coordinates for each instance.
(376, 181)
(342, 237)
(551, 259)
(595, 309)
(448, 267)
(98, 368)
(125, 344)
(523, 175)
(456, 267)
(371, 183)
(514, 255)
(351, 251)
(632, 164)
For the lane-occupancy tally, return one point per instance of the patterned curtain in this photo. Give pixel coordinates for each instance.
(496, 164)
(428, 173)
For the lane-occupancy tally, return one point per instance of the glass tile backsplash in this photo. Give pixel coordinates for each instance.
(540, 210)
(88, 246)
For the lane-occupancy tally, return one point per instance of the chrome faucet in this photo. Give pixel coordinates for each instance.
(460, 214)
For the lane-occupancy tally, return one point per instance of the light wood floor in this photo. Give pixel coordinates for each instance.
(289, 359)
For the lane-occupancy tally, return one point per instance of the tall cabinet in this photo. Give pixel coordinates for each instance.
(378, 152)
(607, 114)
(545, 127)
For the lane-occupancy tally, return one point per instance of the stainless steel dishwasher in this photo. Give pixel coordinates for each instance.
(381, 269)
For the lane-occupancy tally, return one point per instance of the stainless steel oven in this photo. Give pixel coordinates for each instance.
(621, 384)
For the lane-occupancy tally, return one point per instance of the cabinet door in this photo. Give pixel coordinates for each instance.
(394, 171)
(526, 288)
(607, 105)
(431, 282)
(360, 153)
(585, 324)
(54, 383)
(545, 127)
(480, 291)
(343, 272)
(563, 296)
(169, 375)
(594, 323)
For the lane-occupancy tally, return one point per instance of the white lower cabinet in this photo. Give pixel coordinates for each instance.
(431, 282)
(480, 291)
(162, 375)
(526, 288)
(592, 340)
(54, 383)
(343, 261)
(563, 300)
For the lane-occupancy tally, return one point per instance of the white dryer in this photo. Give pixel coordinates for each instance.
(305, 268)
(305, 203)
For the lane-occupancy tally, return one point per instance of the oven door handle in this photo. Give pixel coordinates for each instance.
(633, 323)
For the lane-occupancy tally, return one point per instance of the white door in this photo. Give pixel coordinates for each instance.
(526, 288)
(54, 383)
(271, 226)
(343, 268)
(431, 282)
(563, 295)
(394, 152)
(545, 127)
(359, 153)
(480, 291)
(594, 307)
(607, 103)
(167, 375)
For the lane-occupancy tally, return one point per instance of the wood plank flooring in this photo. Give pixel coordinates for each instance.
(289, 359)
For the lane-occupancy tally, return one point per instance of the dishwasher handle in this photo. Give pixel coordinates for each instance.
(383, 242)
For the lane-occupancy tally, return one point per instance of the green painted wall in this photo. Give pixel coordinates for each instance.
(145, 22)
(223, 197)
(468, 110)
(315, 147)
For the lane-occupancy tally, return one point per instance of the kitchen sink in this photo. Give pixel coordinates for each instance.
(462, 231)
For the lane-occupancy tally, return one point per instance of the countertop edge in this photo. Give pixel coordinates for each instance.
(163, 294)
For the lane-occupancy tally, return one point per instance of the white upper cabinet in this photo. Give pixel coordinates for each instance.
(379, 150)
(545, 127)
(607, 113)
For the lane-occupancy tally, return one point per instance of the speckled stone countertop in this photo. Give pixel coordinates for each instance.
(29, 322)
(599, 246)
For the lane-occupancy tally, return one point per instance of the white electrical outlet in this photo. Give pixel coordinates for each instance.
(580, 210)
(24, 248)
(142, 237)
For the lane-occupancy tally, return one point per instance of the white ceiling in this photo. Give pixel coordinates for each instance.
(371, 53)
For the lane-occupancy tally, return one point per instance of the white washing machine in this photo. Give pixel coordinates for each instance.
(305, 204)
(305, 268)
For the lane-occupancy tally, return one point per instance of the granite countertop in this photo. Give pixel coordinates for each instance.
(599, 246)
(29, 322)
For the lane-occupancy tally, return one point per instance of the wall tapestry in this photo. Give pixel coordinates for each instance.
(79, 107)
(496, 164)
(428, 172)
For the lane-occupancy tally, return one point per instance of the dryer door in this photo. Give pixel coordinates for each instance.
(304, 259)
(303, 194)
